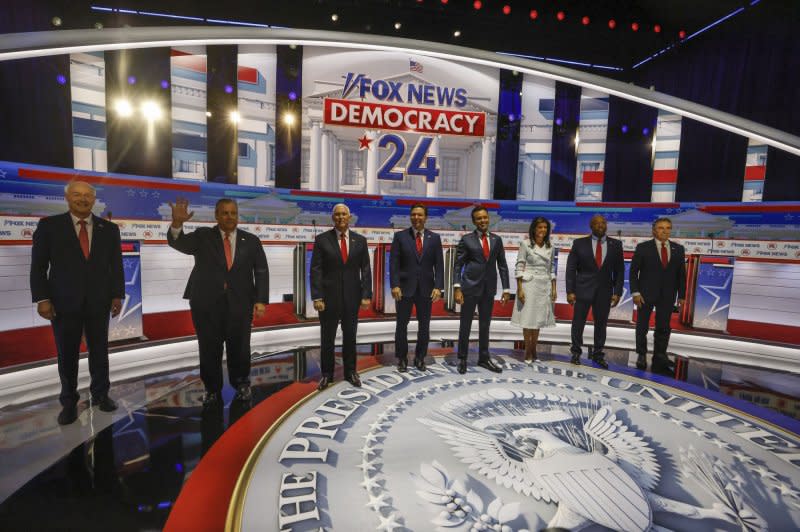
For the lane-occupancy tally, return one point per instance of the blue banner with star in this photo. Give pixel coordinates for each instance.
(128, 324)
(713, 294)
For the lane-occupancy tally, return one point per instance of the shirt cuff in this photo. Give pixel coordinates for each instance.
(506, 290)
(175, 232)
(636, 294)
(456, 286)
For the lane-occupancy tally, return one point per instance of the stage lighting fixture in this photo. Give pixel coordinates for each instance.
(208, 114)
(151, 111)
(559, 121)
(397, 25)
(635, 26)
(561, 16)
(682, 34)
(534, 14)
(334, 17)
(234, 116)
(477, 4)
(292, 47)
(131, 80)
(56, 21)
(292, 95)
(506, 9)
(657, 28)
(646, 131)
(624, 128)
(98, 25)
(61, 79)
(612, 24)
(457, 33)
(228, 89)
(585, 21)
(164, 84)
(123, 108)
(288, 119)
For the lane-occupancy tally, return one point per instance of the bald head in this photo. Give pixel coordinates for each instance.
(599, 225)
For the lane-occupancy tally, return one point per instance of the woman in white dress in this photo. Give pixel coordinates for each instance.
(536, 285)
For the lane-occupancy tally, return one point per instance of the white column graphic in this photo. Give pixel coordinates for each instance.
(432, 189)
(371, 176)
(314, 156)
(486, 168)
(324, 161)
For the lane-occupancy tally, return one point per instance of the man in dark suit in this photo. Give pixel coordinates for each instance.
(657, 277)
(76, 280)
(416, 274)
(479, 256)
(595, 277)
(341, 282)
(229, 284)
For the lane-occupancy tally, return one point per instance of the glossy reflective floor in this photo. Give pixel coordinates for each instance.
(125, 471)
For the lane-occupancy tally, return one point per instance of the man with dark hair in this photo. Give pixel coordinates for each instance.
(341, 283)
(416, 274)
(76, 280)
(479, 256)
(595, 277)
(657, 277)
(229, 284)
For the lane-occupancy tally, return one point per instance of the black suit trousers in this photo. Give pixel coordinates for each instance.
(67, 330)
(601, 306)
(226, 324)
(662, 331)
(423, 303)
(485, 304)
(328, 323)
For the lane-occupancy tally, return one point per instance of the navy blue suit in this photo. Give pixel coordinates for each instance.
(80, 291)
(658, 287)
(416, 275)
(477, 277)
(593, 287)
(222, 300)
(341, 286)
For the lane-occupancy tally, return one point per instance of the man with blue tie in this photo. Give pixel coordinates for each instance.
(479, 256)
(595, 277)
(416, 275)
(657, 277)
(76, 280)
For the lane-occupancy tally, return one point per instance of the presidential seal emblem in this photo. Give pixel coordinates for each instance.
(536, 447)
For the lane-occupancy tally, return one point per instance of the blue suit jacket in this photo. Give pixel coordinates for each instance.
(585, 279)
(410, 271)
(475, 273)
(60, 273)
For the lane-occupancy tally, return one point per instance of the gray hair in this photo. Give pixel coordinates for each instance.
(340, 205)
(74, 182)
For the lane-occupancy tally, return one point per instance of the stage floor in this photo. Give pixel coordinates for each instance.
(716, 449)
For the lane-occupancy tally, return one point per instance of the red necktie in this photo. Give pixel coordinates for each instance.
(344, 249)
(485, 247)
(598, 254)
(664, 259)
(419, 243)
(228, 254)
(83, 238)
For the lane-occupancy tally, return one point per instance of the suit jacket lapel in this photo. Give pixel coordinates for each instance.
(216, 244)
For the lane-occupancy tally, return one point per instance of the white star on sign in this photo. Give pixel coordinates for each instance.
(711, 290)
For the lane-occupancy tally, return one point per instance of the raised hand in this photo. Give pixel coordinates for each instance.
(180, 212)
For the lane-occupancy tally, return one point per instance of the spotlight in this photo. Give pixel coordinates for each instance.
(228, 89)
(288, 119)
(477, 4)
(635, 26)
(682, 34)
(208, 114)
(457, 33)
(612, 24)
(657, 28)
(123, 108)
(334, 17)
(234, 116)
(164, 84)
(646, 131)
(559, 121)
(561, 16)
(98, 25)
(61, 79)
(534, 14)
(131, 80)
(585, 21)
(151, 111)
(624, 128)
(293, 47)
(56, 21)
(511, 117)
(292, 95)
(506, 9)
(397, 25)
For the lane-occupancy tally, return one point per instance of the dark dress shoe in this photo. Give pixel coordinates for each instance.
(324, 382)
(599, 359)
(243, 393)
(576, 359)
(354, 379)
(211, 399)
(462, 365)
(662, 365)
(491, 366)
(68, 415)
(641, 362)
(402, 365)
(105, 403)
(419, 363)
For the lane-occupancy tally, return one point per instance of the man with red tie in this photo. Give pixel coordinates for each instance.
(229, 284)
(76, 280)
(479, 258)
(341, 283)
(595, 276)
(657, 277)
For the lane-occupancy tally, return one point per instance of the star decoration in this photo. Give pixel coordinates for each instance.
(370, 437)
(363, 142)
(389, 523)
(367, 465)
(367, 451)
(376, 502)
(371, 483)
